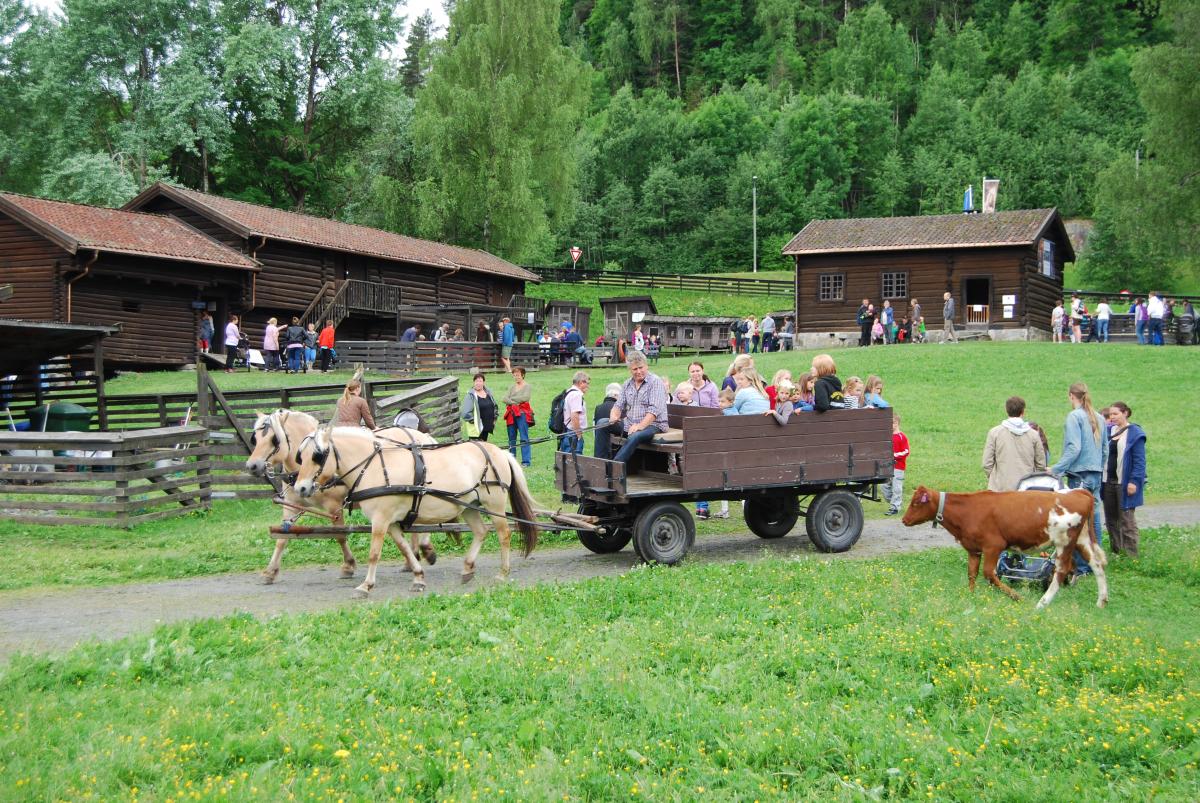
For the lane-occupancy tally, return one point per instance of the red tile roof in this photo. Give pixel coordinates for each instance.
(295, 227)
(76, 226)
(1021, 227)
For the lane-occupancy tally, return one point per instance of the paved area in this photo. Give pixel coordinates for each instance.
(41, 621)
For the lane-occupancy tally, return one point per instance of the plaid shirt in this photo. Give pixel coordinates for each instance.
(635, 402)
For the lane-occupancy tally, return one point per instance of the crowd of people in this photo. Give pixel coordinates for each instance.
(1152, 318)
(883, 326)
(750, 335)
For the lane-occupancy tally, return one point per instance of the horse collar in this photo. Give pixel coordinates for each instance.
(941, 509)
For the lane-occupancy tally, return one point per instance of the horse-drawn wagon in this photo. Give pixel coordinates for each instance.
(816, 466)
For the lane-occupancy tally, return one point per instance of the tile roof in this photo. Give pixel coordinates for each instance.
(76, 226)
(295, 227)
(1020, 227)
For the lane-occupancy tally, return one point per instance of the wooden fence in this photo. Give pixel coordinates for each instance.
(707, 284)
(58, 381)
(433, 357)
(104, 478)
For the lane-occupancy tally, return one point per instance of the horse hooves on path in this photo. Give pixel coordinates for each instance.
(467, 577)
(417, 588)
(268, 578)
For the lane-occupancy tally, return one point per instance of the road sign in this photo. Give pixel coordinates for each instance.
(576, 253)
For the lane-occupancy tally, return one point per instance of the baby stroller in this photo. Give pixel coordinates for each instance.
(1015, 566)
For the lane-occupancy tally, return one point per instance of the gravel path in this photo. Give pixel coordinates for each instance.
(41, 621)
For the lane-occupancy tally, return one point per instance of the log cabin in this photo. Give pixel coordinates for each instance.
(147, 274)
(317, 268)
(1004, 270)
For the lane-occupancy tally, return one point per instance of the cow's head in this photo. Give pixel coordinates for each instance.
(921, 508)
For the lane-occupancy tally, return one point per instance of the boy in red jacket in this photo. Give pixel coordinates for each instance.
(893, 491)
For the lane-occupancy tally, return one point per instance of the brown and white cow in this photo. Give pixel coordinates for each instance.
(986, 523)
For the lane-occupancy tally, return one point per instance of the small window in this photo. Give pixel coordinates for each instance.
(653, 330)
(831, 287)
(895, 285)
(689, 334)
(672, 332)
(706, 333)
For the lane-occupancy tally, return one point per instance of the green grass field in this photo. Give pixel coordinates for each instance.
(779, 680)
(949, 396)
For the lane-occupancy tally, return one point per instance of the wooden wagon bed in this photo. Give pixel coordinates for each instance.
(832, 457)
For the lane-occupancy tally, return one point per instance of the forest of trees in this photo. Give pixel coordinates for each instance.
(632, 128)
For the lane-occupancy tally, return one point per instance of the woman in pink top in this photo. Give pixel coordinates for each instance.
(271, 345)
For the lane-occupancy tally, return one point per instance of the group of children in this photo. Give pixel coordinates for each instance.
(744, 392)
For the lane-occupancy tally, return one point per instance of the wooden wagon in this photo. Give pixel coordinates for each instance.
(828, 460)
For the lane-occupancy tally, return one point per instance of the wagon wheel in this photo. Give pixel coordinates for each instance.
(771, 516)
(602, 544)
(834, 521)
(664, 532)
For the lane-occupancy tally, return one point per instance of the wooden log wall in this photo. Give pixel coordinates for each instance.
(30, 263)
(433, 357)
(930, 274)
(109, 478)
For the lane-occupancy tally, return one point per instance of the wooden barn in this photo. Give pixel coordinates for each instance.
(1004, 270)
(690, 331)
(146, 274)
(619, 313)
(318, 268)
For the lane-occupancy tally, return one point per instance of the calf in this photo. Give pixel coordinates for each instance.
(986, 523)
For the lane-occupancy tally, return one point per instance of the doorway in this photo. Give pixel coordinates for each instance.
(977, 300)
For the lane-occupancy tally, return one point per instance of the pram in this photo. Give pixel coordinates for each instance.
(1016, 566)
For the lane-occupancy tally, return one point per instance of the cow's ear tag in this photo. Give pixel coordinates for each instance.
(923, 498)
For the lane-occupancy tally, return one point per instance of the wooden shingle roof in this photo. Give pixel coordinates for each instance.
(994, 229)
(76, 226)
(247, 219)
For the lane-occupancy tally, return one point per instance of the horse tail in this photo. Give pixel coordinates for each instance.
(523, 505)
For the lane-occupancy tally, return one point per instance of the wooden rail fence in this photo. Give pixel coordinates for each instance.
(707, 284)
(104, 478)
(433, 357)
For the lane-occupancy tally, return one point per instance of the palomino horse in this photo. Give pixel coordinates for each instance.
(396, 486)
(277, 439)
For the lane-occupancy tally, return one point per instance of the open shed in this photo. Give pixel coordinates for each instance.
(619, 313)
(43, 361)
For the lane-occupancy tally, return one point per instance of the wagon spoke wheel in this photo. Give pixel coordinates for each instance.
(835, 521)
(664, 532)
(771, 516)
(602, 544)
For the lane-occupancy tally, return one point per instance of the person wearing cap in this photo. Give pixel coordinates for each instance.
(603, 447)
(507, 336)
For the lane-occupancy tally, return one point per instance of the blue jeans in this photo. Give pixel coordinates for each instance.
(1156, 333)
(310, 355)
(571, 443)
(632, 442)
(296, 359)
(519, 426)
(1091, 481)
(1102, 329)
(1140, 328)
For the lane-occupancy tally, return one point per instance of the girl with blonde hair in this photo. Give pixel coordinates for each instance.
(1083, 454)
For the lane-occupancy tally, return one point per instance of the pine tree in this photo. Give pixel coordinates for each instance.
(414, 66)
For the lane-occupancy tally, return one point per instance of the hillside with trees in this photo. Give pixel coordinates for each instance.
(633, 128)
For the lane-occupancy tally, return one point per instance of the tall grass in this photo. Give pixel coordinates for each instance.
(778, 680)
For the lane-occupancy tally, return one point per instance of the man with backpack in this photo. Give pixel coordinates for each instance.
(568, 416)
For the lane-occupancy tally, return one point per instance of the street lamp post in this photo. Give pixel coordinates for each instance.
(754, 197)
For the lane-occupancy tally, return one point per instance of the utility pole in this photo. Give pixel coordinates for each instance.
(754, 201)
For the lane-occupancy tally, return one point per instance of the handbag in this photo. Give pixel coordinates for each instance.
(474, 427)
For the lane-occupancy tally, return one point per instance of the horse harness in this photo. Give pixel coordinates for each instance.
(419, 489)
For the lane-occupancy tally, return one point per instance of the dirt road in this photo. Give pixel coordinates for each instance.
(41, 621)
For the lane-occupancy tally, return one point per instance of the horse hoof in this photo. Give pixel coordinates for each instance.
(504, 578)
(268, 579)
(361, 593)
(430, 557)
(467, 577)
(347, 573)
(417, 588)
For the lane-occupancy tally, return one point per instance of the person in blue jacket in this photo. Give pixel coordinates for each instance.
(507, 336)
(1083, 454)
(1124, 479)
